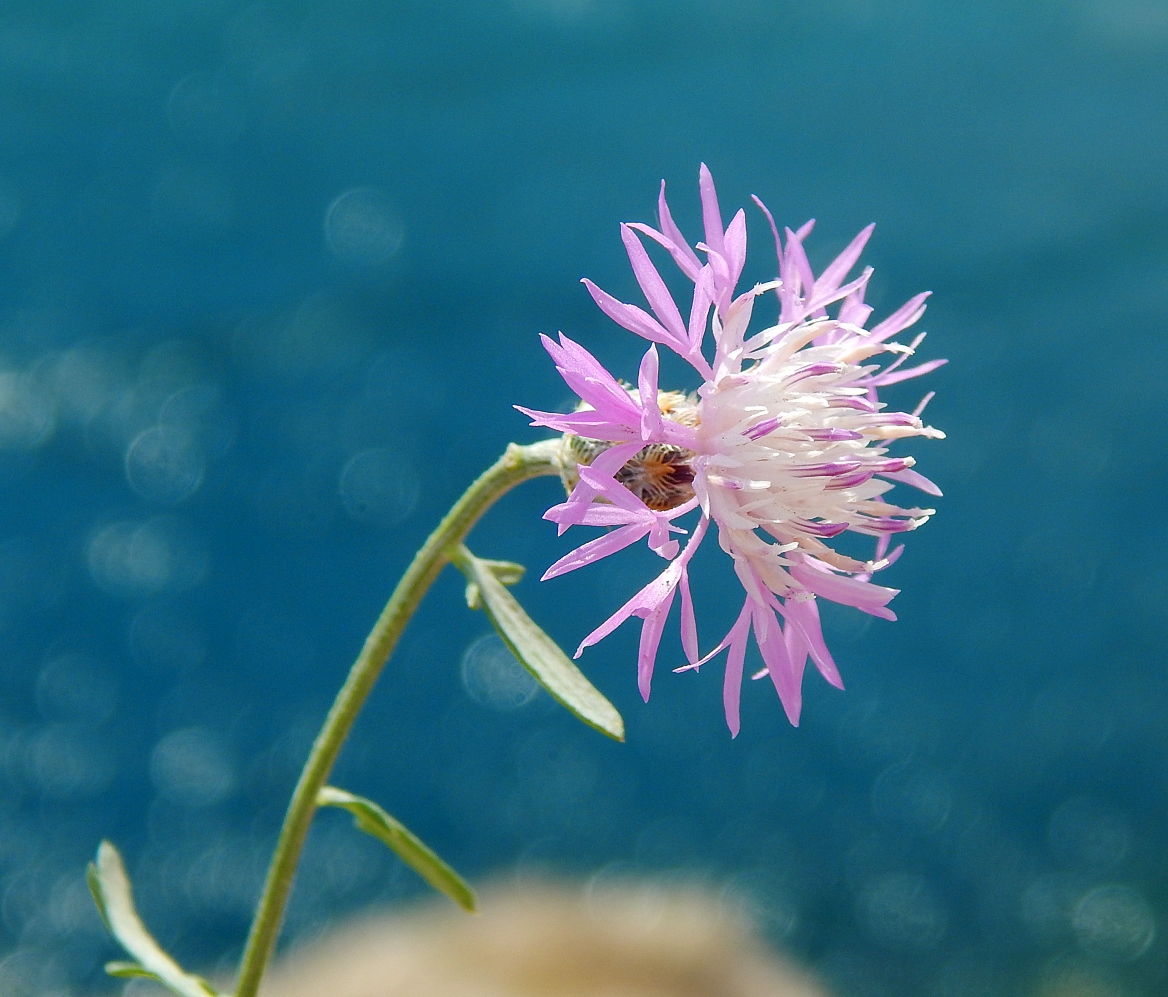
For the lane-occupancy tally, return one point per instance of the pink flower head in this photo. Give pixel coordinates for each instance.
(784, 446)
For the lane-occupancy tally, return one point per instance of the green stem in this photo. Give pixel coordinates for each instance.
(517, 465)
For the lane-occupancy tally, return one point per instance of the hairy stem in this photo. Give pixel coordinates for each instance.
(518, 464)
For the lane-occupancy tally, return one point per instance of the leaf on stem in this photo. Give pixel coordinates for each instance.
(129, 971)
(414, 852)
(508, 572)
(110, 886)
(539, 654)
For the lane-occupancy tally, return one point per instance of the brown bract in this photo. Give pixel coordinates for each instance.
(660, 475)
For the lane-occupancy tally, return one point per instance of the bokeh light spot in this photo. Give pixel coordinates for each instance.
(67, 762)
(73, 687)
(164, 464)
(902, 912)
(362, 228)
(378, 488)
(1084, 832)
(494, 677)
(27, 416)
(207, 108)
(132, 559)
(1047, 904)
(1114, 922)
(912, 797)
(200, 411)
(191, 767)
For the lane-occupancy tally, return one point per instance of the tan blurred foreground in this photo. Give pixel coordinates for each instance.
(633, 940)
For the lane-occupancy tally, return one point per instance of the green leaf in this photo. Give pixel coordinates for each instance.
(129, 970)
(110, 886)
(411, 849)
(539, 654)
(94, 884)
(508, 572)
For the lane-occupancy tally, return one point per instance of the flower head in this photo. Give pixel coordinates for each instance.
(784, 446)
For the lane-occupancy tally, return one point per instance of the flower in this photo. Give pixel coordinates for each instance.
(783, 446)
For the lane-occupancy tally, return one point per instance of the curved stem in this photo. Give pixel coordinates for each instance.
(517, 465)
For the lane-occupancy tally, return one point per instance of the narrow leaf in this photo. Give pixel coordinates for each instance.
(539, 654)
(508, 572)
(129, 970)
(110, 885)
(94, 884)
(414, 852)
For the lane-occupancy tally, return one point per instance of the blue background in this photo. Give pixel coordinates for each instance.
(981, 812)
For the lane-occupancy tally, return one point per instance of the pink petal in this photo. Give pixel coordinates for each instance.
(804, 615)
(594, 550)
(641, 604)
(591, 514)
(675, 433)
(699, 312)
(711, 213)
(838, 269)
(908, 373)
(735, 247)
(894, 556)
(923, 404)
(802, 278)
(590, 423)
(647, 388)
(655, 291)
(732, 682)
(631, 317)
(661, 541)
(688, 261)
(774, 228)
(651, 631)
(796, 274)
(719, 271)
(689, 625)
(853, 310)
(609, 461)
(616, 493)
(910, 477)
(685, 258)
(906, 315)
(864, 596)
(579, 507)
(786, 675)
(821, 297)
(586, 375)
(795, 646)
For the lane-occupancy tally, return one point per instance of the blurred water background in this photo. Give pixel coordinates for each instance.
(270, 280)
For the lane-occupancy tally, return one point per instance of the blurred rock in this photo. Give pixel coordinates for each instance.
(633, 939)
